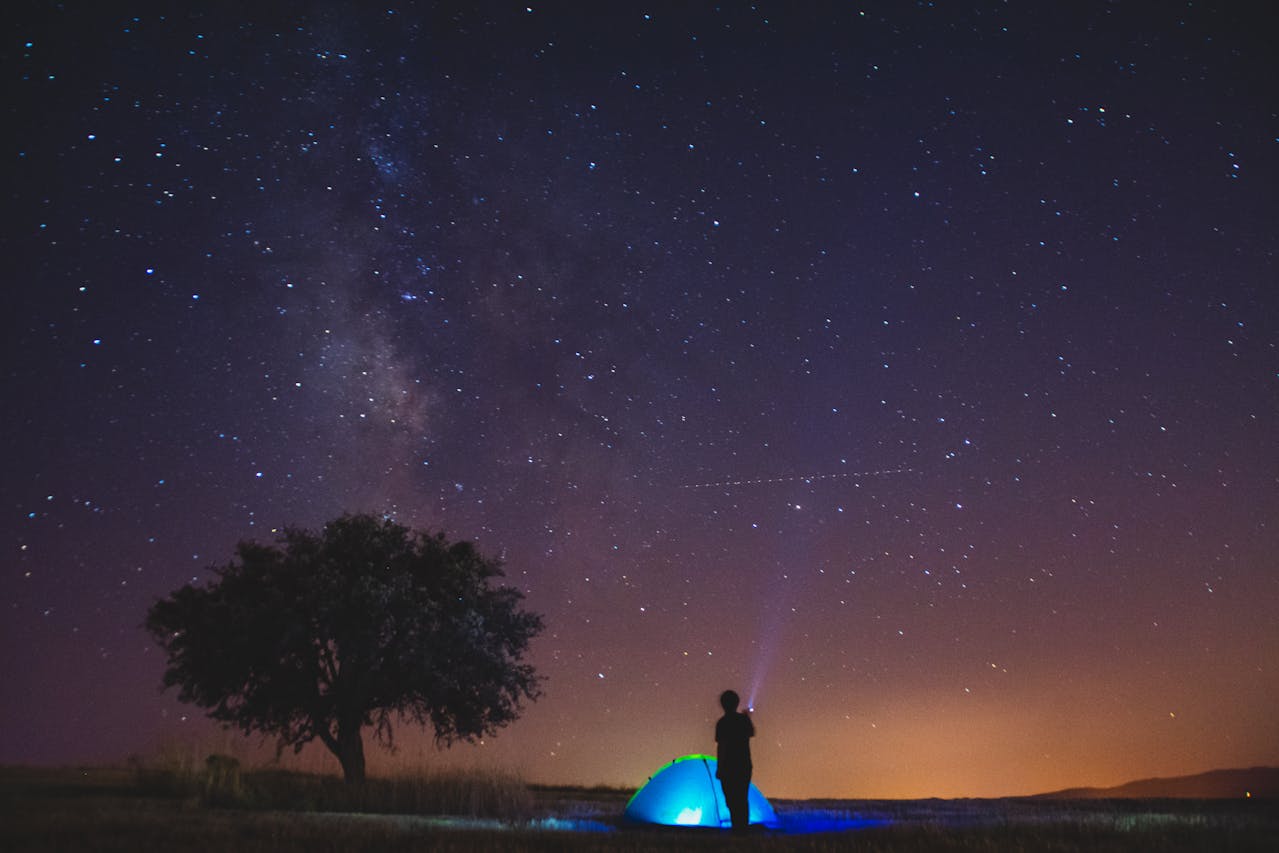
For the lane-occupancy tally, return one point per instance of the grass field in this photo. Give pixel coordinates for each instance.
(129, 809)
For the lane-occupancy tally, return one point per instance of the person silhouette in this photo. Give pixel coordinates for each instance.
(733, 735)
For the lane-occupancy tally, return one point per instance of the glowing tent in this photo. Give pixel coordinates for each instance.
(686, 793)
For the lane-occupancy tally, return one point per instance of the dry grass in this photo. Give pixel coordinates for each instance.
(220, 781)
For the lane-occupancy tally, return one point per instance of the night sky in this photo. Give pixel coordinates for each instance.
(912, 367)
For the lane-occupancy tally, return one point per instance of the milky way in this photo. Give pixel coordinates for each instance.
(915, 369)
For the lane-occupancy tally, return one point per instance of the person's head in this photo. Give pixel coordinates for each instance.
(729, 700)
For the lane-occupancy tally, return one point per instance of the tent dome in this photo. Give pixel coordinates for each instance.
(686, 793)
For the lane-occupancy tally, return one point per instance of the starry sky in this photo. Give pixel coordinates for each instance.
(911, 367)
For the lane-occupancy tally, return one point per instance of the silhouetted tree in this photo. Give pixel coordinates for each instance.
(364, 623)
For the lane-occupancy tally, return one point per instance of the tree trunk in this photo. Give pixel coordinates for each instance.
(350, 753)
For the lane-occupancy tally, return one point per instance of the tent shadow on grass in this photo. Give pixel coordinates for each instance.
(686, 793)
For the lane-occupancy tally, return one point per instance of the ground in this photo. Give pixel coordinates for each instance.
(108, 810)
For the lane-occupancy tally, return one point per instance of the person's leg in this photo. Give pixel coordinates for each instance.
(736, 792)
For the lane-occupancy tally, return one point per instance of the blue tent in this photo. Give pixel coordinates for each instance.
(686, 793)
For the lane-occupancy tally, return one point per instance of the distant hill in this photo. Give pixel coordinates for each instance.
(1216, 784)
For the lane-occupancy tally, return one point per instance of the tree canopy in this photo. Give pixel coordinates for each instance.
(360, 625)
